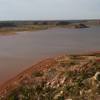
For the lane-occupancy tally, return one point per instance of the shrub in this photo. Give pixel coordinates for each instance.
(13, 97)
(79, 81)
(69, 73)
(38, 89)
(38, 74)
(60, 97)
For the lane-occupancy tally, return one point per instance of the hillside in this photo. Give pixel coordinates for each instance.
(47, 22)
(12, 27)
(69, 77)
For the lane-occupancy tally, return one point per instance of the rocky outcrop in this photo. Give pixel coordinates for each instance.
(74, 77)
(78, 26)
(97, 76)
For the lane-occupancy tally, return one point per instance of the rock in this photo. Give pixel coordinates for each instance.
(59, 94)
(97, 76)
(78, 26)
(63, 80)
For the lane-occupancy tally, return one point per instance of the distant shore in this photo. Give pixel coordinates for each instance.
(12, 27)
(15, 30)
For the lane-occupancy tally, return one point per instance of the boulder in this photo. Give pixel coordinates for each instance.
(97, 76)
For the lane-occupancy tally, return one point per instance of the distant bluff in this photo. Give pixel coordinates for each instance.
(27, 23)
(77, 26)
(47, 22)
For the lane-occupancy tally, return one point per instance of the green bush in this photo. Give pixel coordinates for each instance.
(38, 89)
(13, 97)
(60, 97)
(79, 81)
(38, 74)
(69, 73)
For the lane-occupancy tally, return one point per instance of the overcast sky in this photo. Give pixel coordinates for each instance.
(49, 9)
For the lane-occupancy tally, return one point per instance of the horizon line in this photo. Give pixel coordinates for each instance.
(53, 20)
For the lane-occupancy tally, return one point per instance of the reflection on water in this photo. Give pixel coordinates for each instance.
(19, 52)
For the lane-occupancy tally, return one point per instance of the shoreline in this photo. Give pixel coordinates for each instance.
(15, 32)
(8, 33)
(17, 77)
(37, 28)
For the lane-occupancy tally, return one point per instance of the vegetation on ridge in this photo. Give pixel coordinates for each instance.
(74, 77)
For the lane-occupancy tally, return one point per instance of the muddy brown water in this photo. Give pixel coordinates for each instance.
(19, 52)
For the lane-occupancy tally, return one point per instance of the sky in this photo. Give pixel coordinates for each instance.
(49, 9)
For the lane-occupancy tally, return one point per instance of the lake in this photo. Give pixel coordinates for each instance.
(19, 52)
